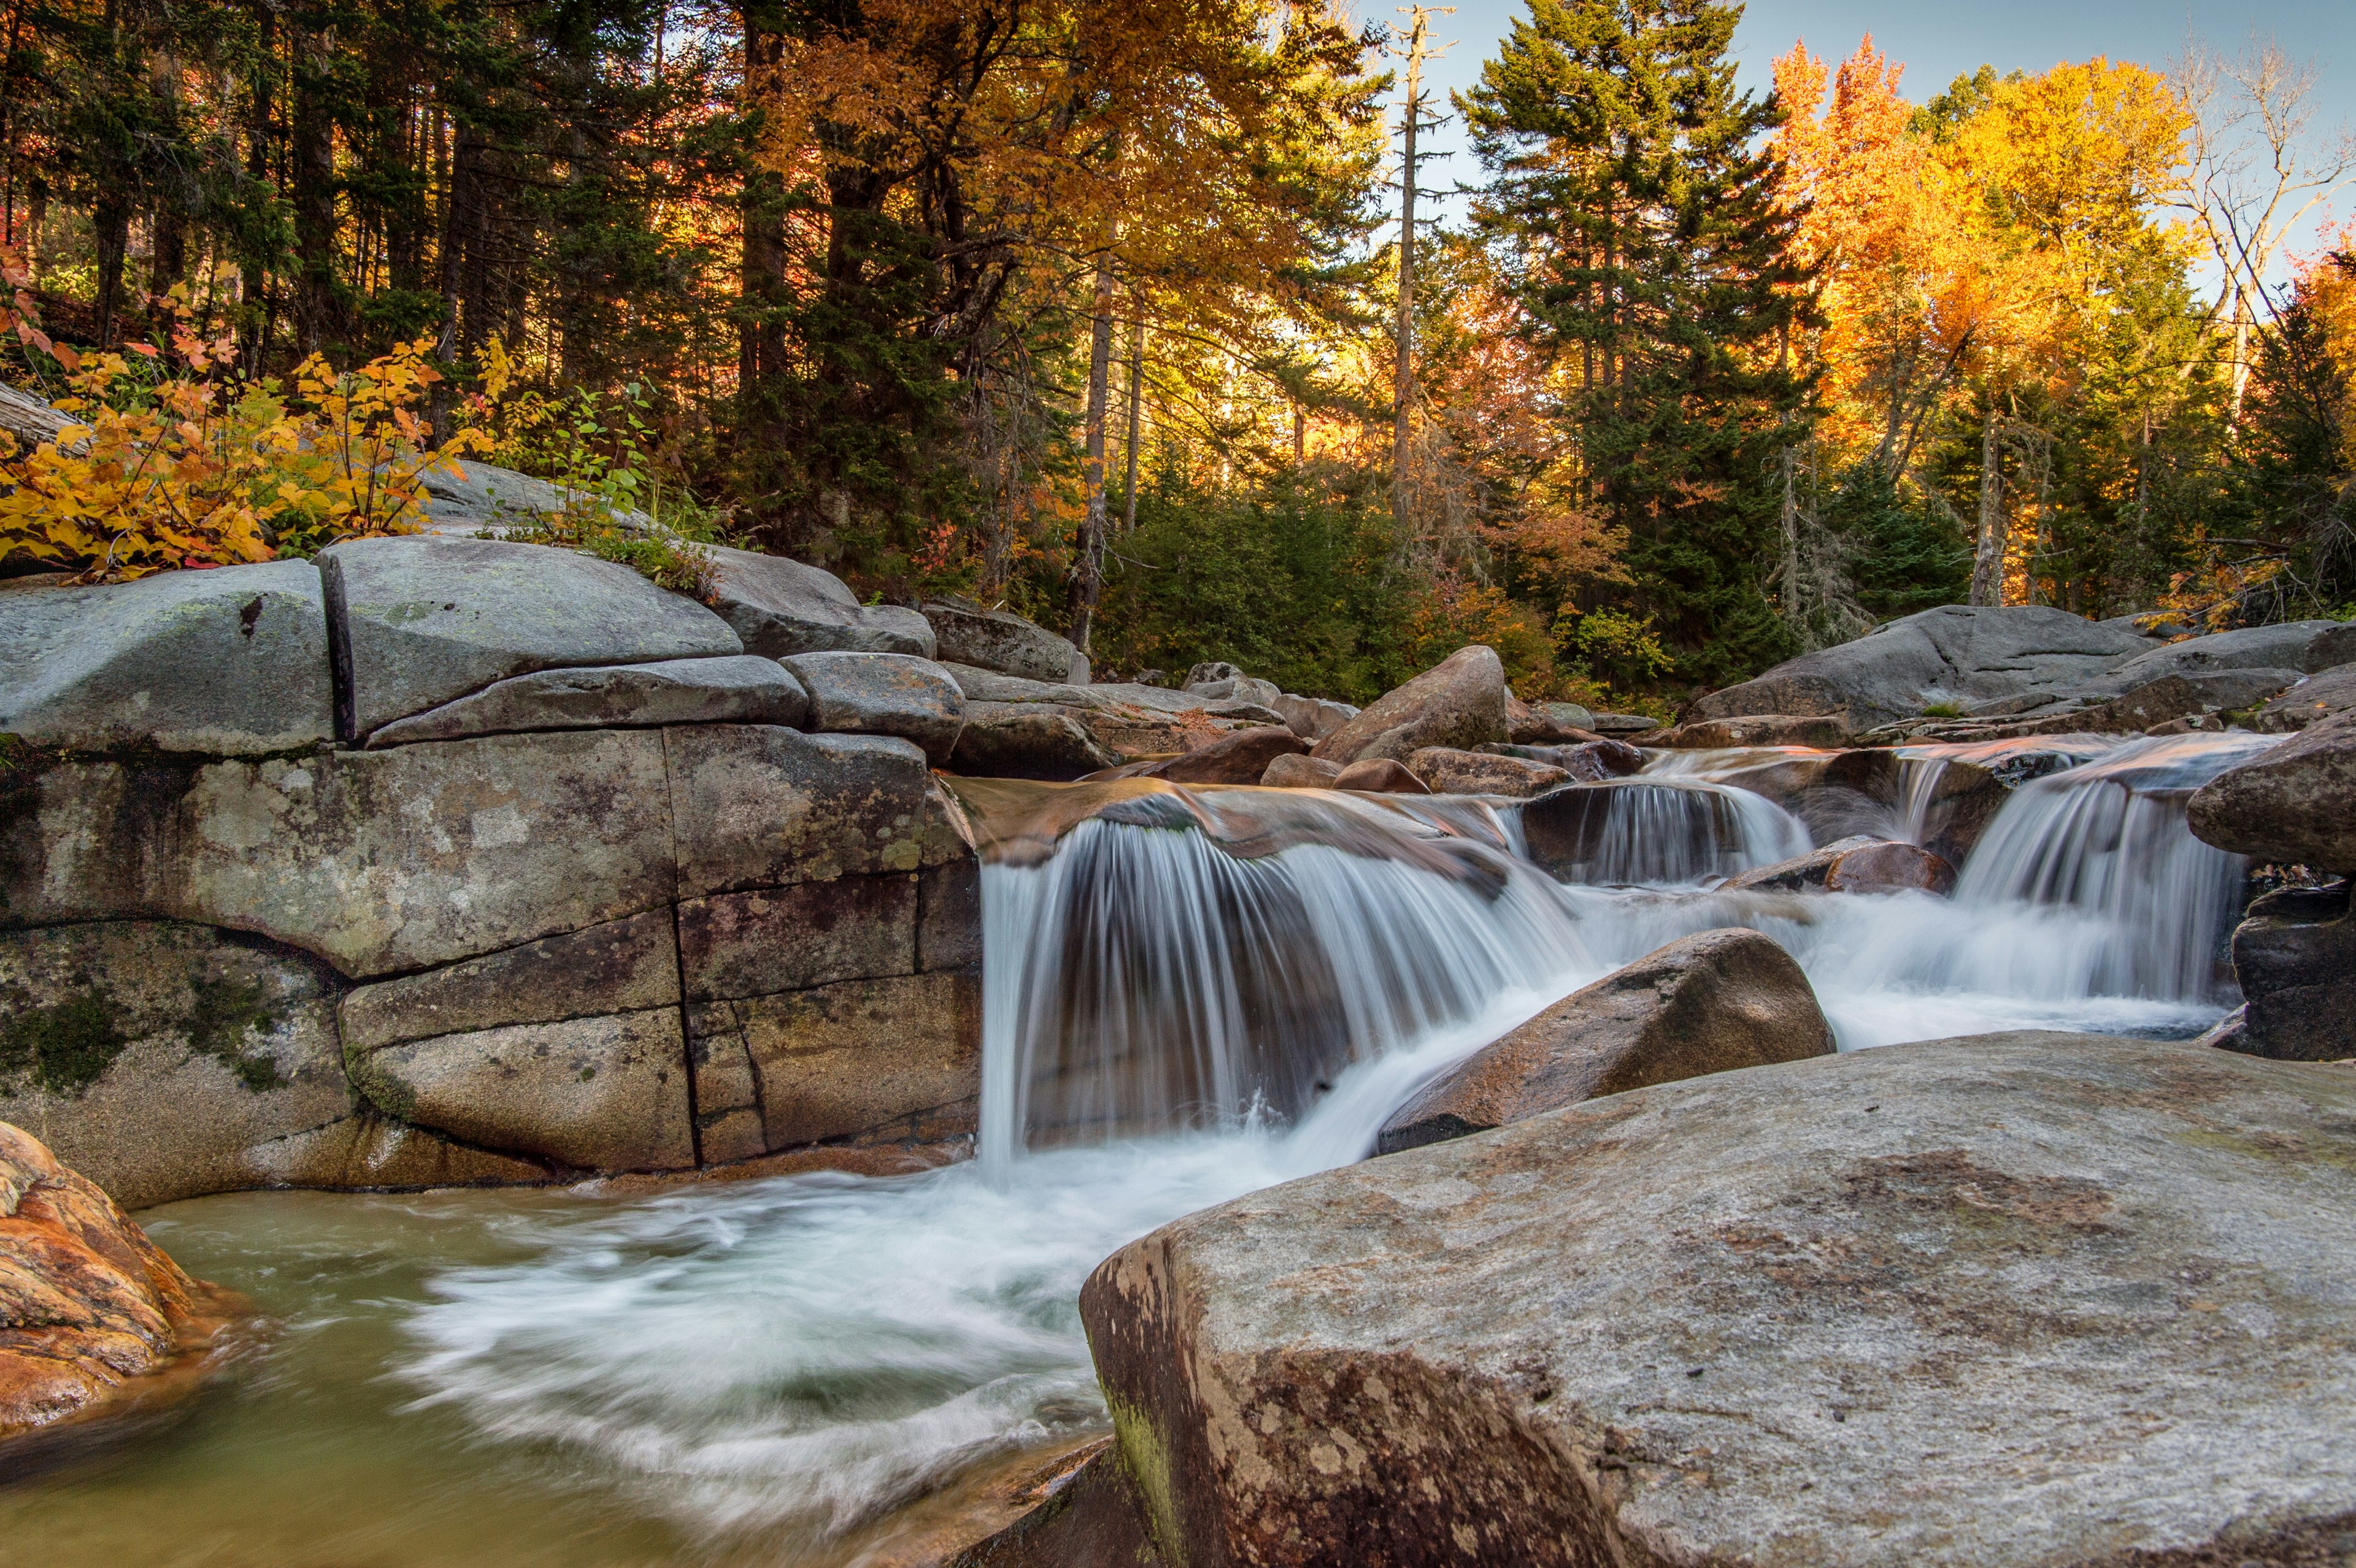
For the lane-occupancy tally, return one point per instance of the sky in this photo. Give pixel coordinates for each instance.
(1938, 43)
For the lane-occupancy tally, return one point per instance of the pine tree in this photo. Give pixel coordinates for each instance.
(1648, 248)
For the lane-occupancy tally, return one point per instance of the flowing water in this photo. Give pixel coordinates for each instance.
(1189, 995)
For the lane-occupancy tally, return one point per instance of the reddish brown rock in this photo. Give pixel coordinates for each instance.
(1238, 759)
(88, 1304)
(1890, 869)
(1450, 772)
(1300, 772)
(1380, 775)
(2294, 805)
(1709, 1002)
(1460, 701)
(1820, 731)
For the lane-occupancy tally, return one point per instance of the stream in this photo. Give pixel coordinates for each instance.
(828, 1369)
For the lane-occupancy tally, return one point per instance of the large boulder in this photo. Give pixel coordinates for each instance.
(1945, 1305)
(1223, 682)
(1312, 717)
(2301, 646)
(416, 622)
(2185, 694)
(1708, 1003)
(229, 662)
(1857, 864)
(2294, 805)
(2295, 957)
(882, 694)
(478, 498)
(88, 1304)
(2316, 698)
(1957, 654)
(1238, 759)
(1026, 740)
(967, 633)
(162, 1058)
(1458, 702)
(1450, 772)
(781, 606)
(742, 689)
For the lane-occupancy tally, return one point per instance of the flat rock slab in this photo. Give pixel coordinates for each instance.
(1451, 771)
(744, 689)
(1026, 740)
(474, 497)
(882, 694)
(2021, 1299)
(2318, 697)
(999, 640)
(230, 661)
(782, 606)
(419, 621)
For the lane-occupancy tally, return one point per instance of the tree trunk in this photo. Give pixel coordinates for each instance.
(761, 203)
(111, 226)
(312, 148)
(167, 224)
(1403, 378)
(1987, 561)
(1136, 406)
(1086, 570)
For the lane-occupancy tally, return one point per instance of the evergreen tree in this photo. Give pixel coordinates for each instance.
(1647, 246)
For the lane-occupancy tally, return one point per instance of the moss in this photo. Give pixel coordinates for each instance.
(1944, 711)
(1148, 1464)
(66, 1047)
(223, 1012)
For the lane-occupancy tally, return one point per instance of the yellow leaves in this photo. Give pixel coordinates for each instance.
(202, 470)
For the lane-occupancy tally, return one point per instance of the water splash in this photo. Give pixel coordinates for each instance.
(1656, 831)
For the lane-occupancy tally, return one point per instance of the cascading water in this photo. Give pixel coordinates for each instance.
(1656, 831)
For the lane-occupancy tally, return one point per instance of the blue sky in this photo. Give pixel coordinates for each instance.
(1939, 42)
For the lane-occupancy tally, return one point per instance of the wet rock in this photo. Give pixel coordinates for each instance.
(2295, 955)
(757, 807)
(1820, 731)
(369, 1151)
(594, 1093)
(966, 634)
(229, 662)
(88, 1304)
(1955, 654)
(2318, 697)
(744, 690)
(882, 694)
(1312, 717)
(157, 1057)
(1448, 772)
(1093, 1519)
(767, 940)
(2294, 805)
(1241, 758)
(2187, 696)
(1801, 873)
(1590, 760)
(1709, 1002)
(620, 966)
(416, 621)
(1459, 702)
(406, 858)
(1725, 1320)
(781, 606)
(1379, 775)
(1300, 772)
(1026, 740)
(1890, 869)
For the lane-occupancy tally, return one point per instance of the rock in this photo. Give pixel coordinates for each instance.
(1725, 1320)
(1459, 702)
(1619, 725)
(780, 606)
(623, 966)
(594, 1093)
(964, 632)
(1092, 1519)
(159, 1057)
(2294, 805)
(1300, 772)
(895, 1059)
(1708, 1003)
(1817, 732)
(229, 662)
(1239, 759)
(87, 1303)
(1533, 724)
(1588, 760)
(1890, 869)
(1800, 874)
(1224, 682)
(1569, 715)
(482, 498)
(2318, 697)
(2295, 955)
(882, 694)
(2187, 696)
(1026, 740)
(744, 690)
(369, 1152)
(1379, 775)
(1448, 772)
(1957, 654)
(406, 858)
(416, 622)
(2300, 646)
(767, 940)
(1312, 717)
(757, 807)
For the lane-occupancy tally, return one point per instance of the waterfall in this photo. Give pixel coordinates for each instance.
(1655, 830)
(2107, 839)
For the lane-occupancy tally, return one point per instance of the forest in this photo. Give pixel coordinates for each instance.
(1108, 314)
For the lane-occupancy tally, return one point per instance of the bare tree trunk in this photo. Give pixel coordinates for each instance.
(1987, 562)
(1403, 378)
(1136, 406)
(312, 146)
(1087, 571)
